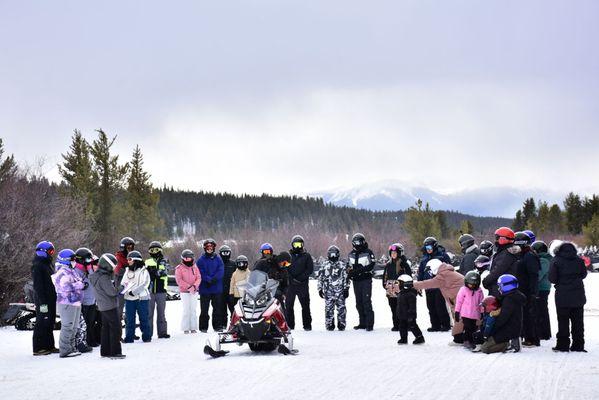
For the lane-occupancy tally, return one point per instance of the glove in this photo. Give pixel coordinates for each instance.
(321, 294)
(131, 294)
(162, 273)
(85, 285)
(346, 293)
(457, 316)
(44, 308)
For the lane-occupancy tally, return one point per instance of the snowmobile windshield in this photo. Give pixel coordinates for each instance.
(258, 284)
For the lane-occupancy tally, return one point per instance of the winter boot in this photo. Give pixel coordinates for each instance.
(514, 346)
(418, 340)
(403, 341)
(359, 327)
(330, 327)
(395, 329)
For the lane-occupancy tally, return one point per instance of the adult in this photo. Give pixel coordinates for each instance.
(126, 246)
(276, 267)
(486, 248)
(437, 310)
(503, 261)
(543, 321)
(360, 264)
(300, 270)
(227, 301)
(158, 268)
(212, 270)
(45, 299)
(566, 272)
(527, 272)
(398, 265)
(266, 252)
(470, 252)
(188, 279)
(135, 285)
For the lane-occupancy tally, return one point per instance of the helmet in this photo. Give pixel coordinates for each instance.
(507, 283)
(486, 248)
(433, 266)
(405, 281)
(225, 251)
(554, 246)
(134, 255)
(126, 242)
(65, 257)
(396, 247)
(358, 241)
(466, 240)
(539, 247)
(333, 253)
(490, 303)
(531, 234)
(522, 239)
(187, 254)
(84, 256)
(504, 236)
(472, 278)
(482, 262)
(284, 258)
(242, 262)
(155, 247)
(44, 249)
(266, 248)
(95, 259)
(430, 243)
(297, 242)
(107, 262)
(209, 242)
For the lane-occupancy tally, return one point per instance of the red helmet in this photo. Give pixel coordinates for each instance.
(504, 236)
(490, 303)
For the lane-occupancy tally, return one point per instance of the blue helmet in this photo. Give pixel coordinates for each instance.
(44, 249)
(65, 257)
(507, 283)
(266, 247)
(531, 235)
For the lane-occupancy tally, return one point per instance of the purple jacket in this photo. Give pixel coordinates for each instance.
(69, 285)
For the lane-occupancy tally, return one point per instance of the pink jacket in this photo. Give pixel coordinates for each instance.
(188, 278)
(468, 302)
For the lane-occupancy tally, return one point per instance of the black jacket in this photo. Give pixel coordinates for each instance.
(508, 324)
(467, 263)
(567, 271)
(41, 271)
(391, 274)
(406, 304)
(301, 267)
(360, 264)
(503, 262)
(230, 267)
(527, 272)
(275, 272)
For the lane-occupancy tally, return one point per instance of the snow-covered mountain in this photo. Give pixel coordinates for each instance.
(398, 195)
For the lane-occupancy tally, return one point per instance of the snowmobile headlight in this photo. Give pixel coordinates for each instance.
(262, 300)
(249, 301)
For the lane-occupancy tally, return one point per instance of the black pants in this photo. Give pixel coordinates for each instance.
(89, 315)
(43, 332)
(408, 324)
(543, 322)
(302, 291)
(469, 329)
(565, 316)
(393, 305)
(227, 307)
(217, 319)
(437, 309)
(363, 293)
(529, 321)
(111, 333)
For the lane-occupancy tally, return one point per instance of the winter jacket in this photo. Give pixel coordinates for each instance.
(104, 290)
(468, 302)
(41, 273)
(136, 284)
(188, 278)
(406, 305)
(89, 298)
(393, 269)
(544, 284)
(566, 272)
(158, 270)
(527, 272)
(301, 267)
(212, 270)
(508, 324)
(270, 266)
(239, 277)
(333, 276)
(440, 254)
(467, 263)
(447, 279)
(360, 264)
(503, 262)
(230, 268)
(121, 265)
(69, 285)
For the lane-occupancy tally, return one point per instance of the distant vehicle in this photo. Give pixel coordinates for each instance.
(22, 315)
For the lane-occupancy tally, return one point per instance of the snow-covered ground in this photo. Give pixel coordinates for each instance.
(330, 365)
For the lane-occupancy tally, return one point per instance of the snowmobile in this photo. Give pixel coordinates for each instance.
(22, 315)
(257, 320)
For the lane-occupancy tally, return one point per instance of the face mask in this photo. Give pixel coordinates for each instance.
(188, 263)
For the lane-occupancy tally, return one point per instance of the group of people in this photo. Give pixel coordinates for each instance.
(91, 293)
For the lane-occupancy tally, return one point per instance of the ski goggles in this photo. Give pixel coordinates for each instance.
(225, 253)
(285, 264)
(297, 245)
(267, 251)
(155, 250)
(428, 247)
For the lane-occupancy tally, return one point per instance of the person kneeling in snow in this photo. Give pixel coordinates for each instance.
(406, 311)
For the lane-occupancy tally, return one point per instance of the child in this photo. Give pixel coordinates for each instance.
(406, 311)
(239, 277)
(467, 306)
(491, 309)
(333, 287)
(482, 264)
(135, 286)
(188, 279)
(107, 298)
(85, 335)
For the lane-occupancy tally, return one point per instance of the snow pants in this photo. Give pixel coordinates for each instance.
(158, 303)
(363, 293)
(302, 292)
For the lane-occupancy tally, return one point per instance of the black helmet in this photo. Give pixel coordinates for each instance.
(208, 242)
(472, 278)
(125, 242)
(224, 251)
(107, 262)
(539, 247)
(187, 254)
(482, 263)
(486, 248)
(430, 241)
(242, 262)
(155, 248)
(396, 247)
(466, 240)
(84, 256)
(522, 239)
(134, 255)
(283, 257)
(333, 253)
(358, 241)
(297, 243)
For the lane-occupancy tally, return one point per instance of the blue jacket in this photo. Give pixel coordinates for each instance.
(440, 254)
(212, 270)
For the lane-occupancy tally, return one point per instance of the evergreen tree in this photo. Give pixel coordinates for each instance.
(518, 224)
(591, 231)
(574, 213)
(466, 227)
(8, 165)
(555, 220)
(529, 212)
(539, 224)
(421, 222)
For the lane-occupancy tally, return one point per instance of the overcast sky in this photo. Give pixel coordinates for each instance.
(298, 96)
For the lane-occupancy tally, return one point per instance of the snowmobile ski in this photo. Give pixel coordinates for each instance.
(209, 351)
(286, 350)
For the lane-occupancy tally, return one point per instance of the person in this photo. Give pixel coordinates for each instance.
(503, 261)
(106, 295)
(157, 267)
(69, 294)
(407, 312)
(212, 270)
(239, 277)
(83, 265)
(490, 309)
(482, 265)
(486, 248)
(188, 279)
(300, 270)
(467, 306)
(360, 264)
(435, 303)
(567, 272)
(508, 323)
(44, 299)
(527, 272)
(266, 251)
(398, 265)
(135, 286)
(449, 283)
(227, 302)
(333, 287)
(543, 321)
(276, 267)
(470, 252)
(126, 245)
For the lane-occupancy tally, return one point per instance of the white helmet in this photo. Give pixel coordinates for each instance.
(433, 266)
(405, 278)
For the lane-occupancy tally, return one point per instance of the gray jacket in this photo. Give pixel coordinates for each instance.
(106, 293)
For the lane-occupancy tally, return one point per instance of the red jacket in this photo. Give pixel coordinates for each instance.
(121, 258)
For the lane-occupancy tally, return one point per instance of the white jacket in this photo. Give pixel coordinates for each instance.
(138, 283)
